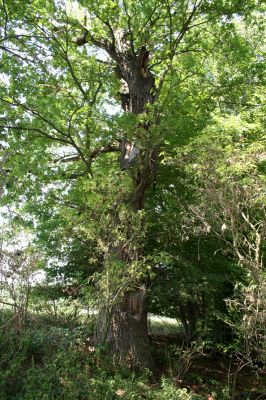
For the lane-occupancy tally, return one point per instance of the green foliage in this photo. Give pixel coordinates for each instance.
(53, 358)
(229, 204)
(200, 153)
(58, 363)
(192, 287)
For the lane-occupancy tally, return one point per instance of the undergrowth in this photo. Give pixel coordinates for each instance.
(54, 360)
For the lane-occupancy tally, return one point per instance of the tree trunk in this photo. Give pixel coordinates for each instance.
(123, 328)
(123, 331)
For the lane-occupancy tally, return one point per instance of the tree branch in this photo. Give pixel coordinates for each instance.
(107, 23)
(129, 28)
(47, 135)
(175, 43)
(110, 148)
(6, 19)
(94, 98)
(74, 77)
(35, 112)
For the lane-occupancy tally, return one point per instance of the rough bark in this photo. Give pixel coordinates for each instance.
(123, 331)
(123, 328)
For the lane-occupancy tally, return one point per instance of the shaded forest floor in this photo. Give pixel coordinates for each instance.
(211, 375)
(52, 358)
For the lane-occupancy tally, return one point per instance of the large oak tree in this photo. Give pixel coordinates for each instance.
(94, 95)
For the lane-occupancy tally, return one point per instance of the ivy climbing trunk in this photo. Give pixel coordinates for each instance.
(123, 327)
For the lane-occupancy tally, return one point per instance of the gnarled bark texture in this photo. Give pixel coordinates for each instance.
(124, 328)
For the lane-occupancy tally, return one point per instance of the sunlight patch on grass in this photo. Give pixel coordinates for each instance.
(164, 326)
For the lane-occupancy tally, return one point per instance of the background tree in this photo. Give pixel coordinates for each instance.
(231, 205)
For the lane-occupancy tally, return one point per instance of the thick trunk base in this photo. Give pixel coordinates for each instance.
(123, 331)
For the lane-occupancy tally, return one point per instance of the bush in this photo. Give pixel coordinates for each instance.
(58, 364)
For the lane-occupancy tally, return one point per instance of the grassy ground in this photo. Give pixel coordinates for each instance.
(164, 326)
